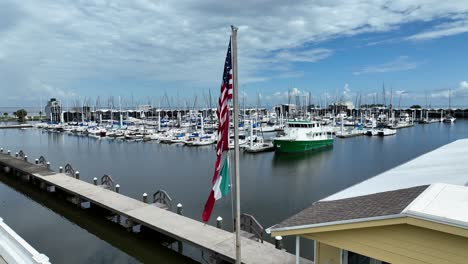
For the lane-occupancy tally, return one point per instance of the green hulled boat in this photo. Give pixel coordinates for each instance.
(301, 136)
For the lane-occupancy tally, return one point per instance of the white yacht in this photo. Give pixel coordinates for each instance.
(449, 119)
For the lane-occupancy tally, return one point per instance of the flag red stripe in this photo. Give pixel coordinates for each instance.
(210, 202)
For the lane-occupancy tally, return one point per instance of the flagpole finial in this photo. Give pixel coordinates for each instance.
(233, 28)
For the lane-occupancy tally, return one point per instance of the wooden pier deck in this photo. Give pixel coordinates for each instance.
(210, 239)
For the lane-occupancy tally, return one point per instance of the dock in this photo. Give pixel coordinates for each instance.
(16, 126)
(348, 134)
(216, 242)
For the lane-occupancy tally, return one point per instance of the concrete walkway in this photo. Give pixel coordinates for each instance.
(205, 237)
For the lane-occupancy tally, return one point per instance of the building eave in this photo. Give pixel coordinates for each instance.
(336, 225)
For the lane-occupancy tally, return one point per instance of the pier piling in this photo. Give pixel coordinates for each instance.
(1, 150)
(77, 175)
(279, 242)
(179, 208)
(117, 188)
(60, 169)
(9, 152)
(219, 222)
(180, 245)
(48, 165)
(145, 197)
(95, 181)
(26, 158)
(16, 154)
(36, 161)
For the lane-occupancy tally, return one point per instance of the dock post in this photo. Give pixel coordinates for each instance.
(117, 188)
(48, 165)
(36, 161)
(298, 248)
(8, 152)
(145, 197)
(77, 175)
(219, 221)
(26, 158)
(180, 245)
(278, 242)
(60, 169)
(95, 181)
(1, 150)
(16, 154)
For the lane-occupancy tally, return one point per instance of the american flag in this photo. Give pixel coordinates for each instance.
(223, 106)
(223, 139)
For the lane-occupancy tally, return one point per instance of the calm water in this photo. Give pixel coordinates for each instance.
(273, 186)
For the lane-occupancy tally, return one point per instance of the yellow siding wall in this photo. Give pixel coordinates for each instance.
(398, 244)
(327, 254)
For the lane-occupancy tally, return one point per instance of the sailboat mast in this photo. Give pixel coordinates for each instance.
(450, 99)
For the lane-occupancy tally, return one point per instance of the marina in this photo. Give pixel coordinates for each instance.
(151, 157)
(233, 132)
(261, 129)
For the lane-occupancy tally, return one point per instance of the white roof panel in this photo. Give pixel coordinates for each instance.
(441, 203)
(447, 164)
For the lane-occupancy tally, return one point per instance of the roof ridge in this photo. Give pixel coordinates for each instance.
(370, 194)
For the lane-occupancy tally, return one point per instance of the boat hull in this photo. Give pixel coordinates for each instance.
(289, 146)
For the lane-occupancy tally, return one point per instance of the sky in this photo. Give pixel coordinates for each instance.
(169, 53)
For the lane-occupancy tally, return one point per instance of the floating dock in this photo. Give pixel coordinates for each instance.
(220, 244)
(348, 134)
(16, 126)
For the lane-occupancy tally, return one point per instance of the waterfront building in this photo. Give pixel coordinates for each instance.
(286, 109)
(414, 213)
(53, 110)
(341, 106)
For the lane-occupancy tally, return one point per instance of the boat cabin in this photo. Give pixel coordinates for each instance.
(302, 124)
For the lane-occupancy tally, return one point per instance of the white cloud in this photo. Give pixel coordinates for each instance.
(459, 92)
(400, 92)
(442, 30)
(305, 56)
(346, 92)
(67, 43)
(463, 85)
(291, 93)
(401, 63)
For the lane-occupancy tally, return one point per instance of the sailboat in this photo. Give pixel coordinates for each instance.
(449, 118)
(259, 145)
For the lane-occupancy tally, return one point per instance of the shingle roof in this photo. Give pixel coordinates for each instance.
(372, 205)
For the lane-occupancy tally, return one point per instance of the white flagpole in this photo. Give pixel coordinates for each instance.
(236, 138)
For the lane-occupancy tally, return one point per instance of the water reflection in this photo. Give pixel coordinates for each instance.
(296, 159)
(146, 246)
